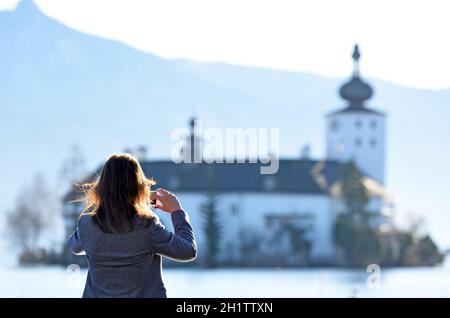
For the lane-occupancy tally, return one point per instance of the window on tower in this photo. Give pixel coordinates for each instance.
(334, 125)
(234, 209)
(358, 142)
(358, 124)
(373, 142)
(373, 124)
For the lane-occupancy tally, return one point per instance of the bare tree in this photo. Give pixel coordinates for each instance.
(32, 216)
(73, 168)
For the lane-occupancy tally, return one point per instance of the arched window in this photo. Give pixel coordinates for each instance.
(358, 123)
(358, 142)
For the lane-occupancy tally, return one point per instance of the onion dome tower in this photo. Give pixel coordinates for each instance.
(357, 132)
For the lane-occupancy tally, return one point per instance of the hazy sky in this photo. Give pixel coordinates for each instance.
(404, 42)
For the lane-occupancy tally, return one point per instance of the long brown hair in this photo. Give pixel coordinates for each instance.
(118, 195)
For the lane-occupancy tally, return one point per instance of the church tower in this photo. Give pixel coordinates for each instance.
(357, 132)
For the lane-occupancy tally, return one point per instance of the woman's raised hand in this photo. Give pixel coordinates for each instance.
(165, 200)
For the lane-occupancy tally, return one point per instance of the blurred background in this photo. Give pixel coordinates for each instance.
(360, 94)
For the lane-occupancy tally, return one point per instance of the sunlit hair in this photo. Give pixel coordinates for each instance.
(119, 195)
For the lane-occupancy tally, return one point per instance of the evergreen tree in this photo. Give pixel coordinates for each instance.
(354, 193)
(211, 228)
(360, 242)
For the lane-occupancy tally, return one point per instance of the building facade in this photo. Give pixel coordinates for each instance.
(286, 218)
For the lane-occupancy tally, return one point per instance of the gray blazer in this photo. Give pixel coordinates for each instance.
(129, 264)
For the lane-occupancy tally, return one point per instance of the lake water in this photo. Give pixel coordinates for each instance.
(411, 282)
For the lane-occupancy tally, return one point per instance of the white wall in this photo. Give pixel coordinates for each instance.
(342, 137)
(252, 209)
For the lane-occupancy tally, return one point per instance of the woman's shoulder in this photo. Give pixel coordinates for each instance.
(85, 218)
(151, 223)
(147, 220)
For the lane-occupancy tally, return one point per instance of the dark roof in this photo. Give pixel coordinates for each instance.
(293, 176)
(350, 109)
(356, 91)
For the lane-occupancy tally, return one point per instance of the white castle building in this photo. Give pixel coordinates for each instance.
(289, 216)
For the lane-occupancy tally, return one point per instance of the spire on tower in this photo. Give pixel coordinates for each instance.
(356, 91)
(192, 123)
(356, 55)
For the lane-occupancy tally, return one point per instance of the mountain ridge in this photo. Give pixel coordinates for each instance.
(31, 6)
(60, 86)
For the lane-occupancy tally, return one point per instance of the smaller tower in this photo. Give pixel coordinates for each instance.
(193, 146)
(357, 132)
